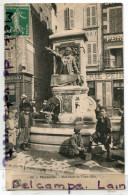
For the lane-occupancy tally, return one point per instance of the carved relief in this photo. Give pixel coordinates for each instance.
(67, 103)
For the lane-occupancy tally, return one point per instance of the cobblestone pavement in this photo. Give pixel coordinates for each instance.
(56, 164)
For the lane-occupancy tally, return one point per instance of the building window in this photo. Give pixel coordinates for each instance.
(118, 93)
(91, 86)
(105, 29)
(113, 58)
(104, 16)
(69, 18)
(92, 53)
(116, 57)
(90, 16)
(107, 58)
(115, 20)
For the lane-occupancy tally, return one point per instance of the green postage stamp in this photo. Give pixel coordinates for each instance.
(17, 20)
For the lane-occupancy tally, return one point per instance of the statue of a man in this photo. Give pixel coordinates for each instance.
(68, 63)
(67, 67)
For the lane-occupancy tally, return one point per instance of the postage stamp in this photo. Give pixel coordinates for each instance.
(64, 96)
(17, 20)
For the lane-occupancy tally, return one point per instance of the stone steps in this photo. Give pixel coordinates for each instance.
(50, 137)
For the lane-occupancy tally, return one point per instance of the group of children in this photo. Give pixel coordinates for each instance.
(17, 126)
(102, 135)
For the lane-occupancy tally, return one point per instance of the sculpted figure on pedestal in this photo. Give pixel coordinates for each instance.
(67, 67)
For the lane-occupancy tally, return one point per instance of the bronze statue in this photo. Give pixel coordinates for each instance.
(69, 67)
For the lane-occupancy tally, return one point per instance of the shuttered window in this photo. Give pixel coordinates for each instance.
(69, 18)
(107, 58)
(66, 18)
(92, 53)
(93, 15)
(90, 16)
(89, 54)
(115, 20)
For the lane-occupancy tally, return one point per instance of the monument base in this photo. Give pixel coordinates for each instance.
(54, 137)
(75, 104)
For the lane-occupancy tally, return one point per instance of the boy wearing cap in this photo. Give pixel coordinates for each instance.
(76, 147)
(103, 132)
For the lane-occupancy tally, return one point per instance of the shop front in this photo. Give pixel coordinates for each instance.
(18, 84)
(109, 88)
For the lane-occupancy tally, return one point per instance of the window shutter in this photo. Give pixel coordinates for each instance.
(94, 54)
(115, 20)
(118, 18)
(89, 53)
(88, 22)
(88, 11)
(93, 21)
(112, 20)
(71, 18)
(94, 15)
(88, 16)
(94, 11)
(107, 58)
(66, 18)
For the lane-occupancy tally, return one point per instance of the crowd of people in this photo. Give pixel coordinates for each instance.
(18, 125)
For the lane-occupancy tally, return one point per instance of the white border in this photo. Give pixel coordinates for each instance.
(2, 172)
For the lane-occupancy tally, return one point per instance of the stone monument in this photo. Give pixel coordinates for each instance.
(68, 82)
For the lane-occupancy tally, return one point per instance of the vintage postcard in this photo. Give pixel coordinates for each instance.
(64, 96)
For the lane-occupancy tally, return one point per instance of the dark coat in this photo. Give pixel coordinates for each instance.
(22, 120)
(103, 127)
(25, 105)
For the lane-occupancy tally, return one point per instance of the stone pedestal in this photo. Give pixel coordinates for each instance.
(75, 104)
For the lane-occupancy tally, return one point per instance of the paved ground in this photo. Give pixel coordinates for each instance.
(56, 164)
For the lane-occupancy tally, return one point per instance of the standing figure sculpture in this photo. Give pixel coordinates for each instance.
(68, 63)
(68, 67)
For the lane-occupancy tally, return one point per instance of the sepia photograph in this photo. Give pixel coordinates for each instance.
(64, 96)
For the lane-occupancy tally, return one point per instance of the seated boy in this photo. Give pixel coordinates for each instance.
(76, 146)
(103, 132)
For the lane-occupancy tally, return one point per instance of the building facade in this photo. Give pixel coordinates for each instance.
(32, 66)
(104, 49)
(107, 84)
